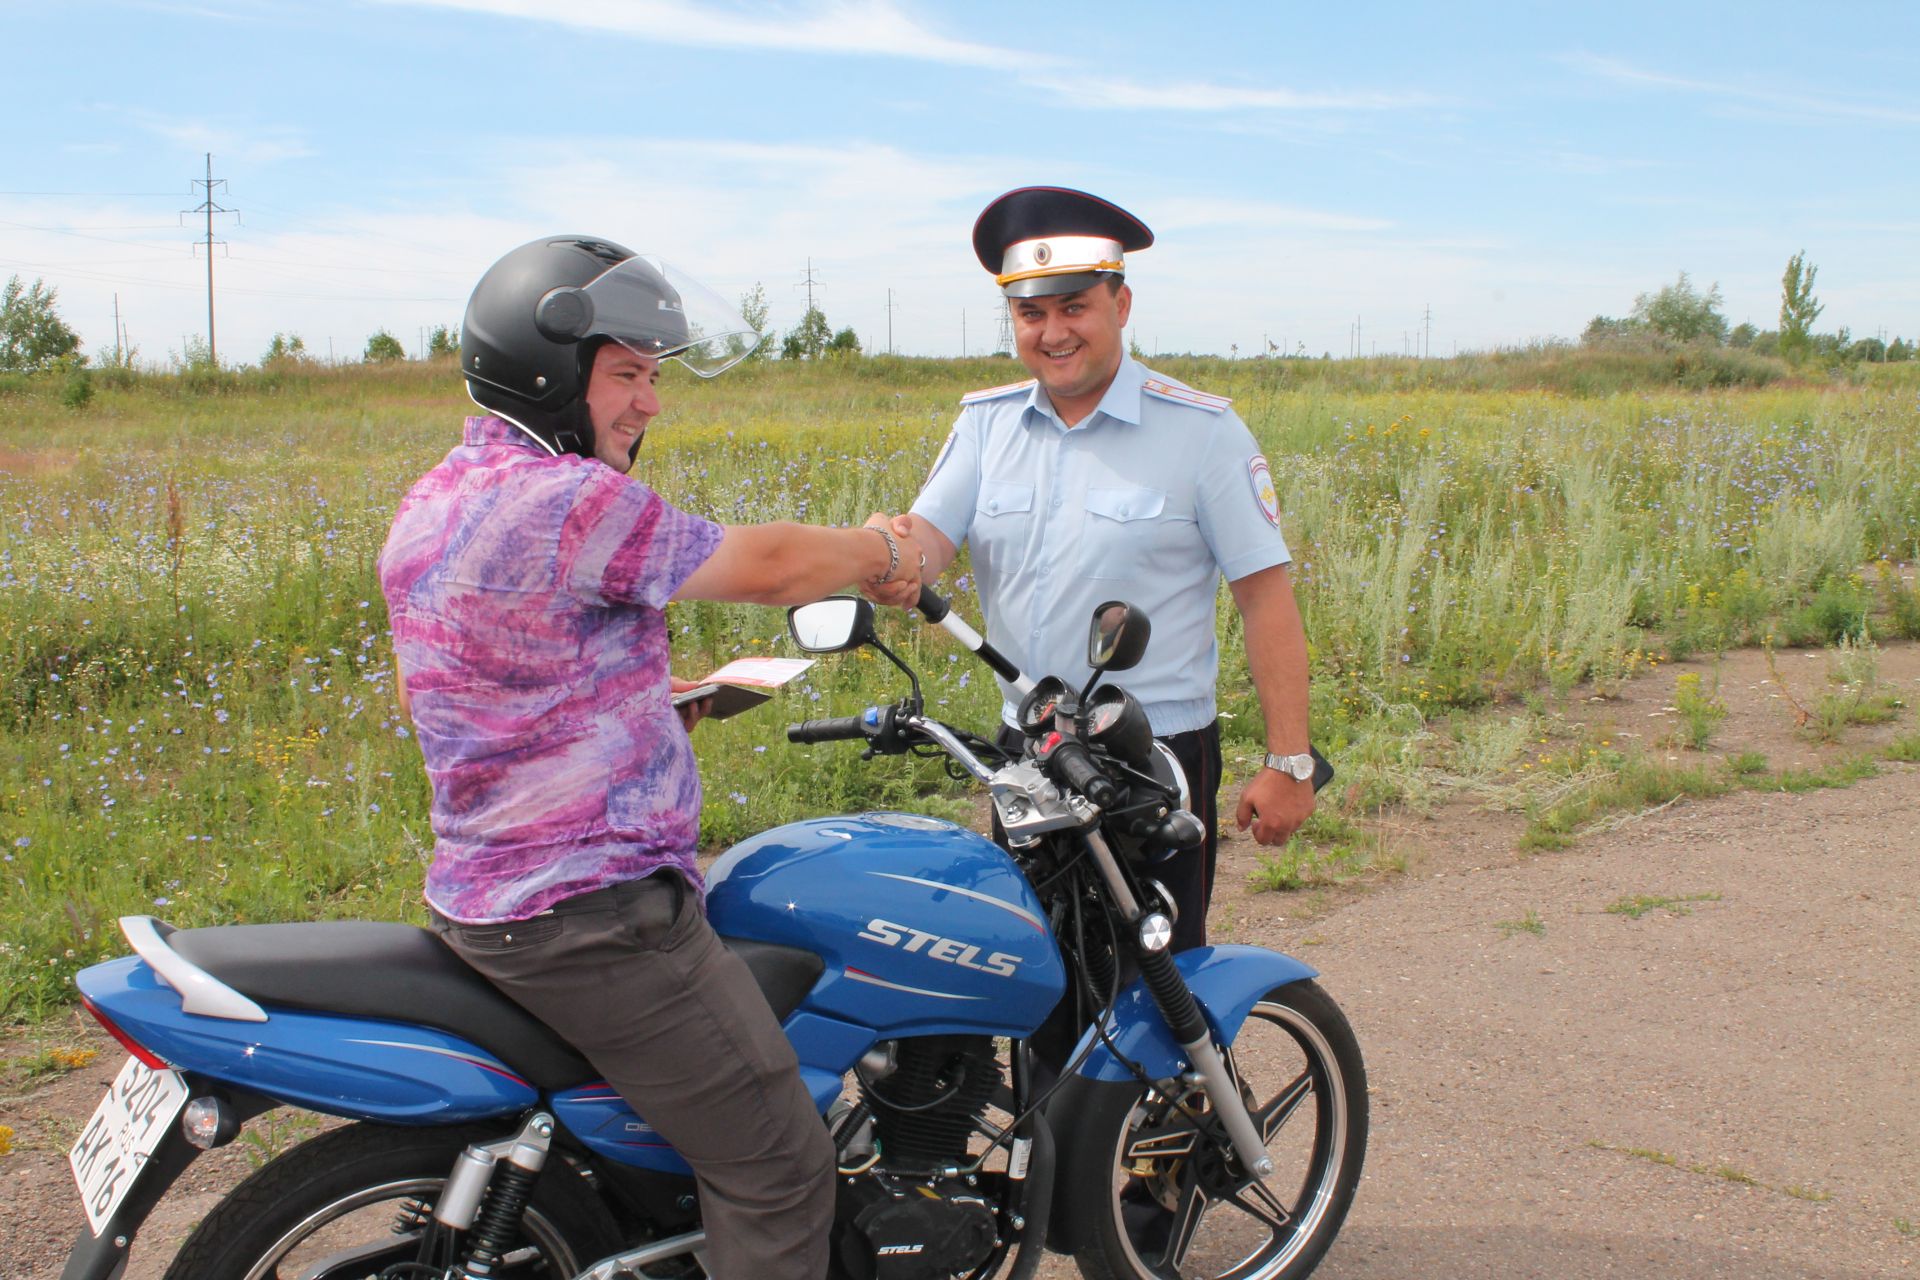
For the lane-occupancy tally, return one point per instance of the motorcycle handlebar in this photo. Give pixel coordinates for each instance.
(1072, 765)
(834, 729)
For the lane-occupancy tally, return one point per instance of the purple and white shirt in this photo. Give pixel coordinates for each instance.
(527, 597)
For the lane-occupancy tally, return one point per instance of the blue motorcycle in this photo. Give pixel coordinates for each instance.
(1008, 1055)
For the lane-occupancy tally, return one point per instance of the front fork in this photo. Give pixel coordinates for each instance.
(1153, 937)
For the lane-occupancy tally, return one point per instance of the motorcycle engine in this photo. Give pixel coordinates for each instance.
(916, 1231)
(904, 1215)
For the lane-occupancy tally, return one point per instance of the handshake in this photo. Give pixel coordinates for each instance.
(924, 553)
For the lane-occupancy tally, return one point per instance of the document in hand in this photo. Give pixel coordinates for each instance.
(743, 683)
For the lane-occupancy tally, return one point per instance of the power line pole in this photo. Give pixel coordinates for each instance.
(209, 208)
(1429, 339)
(890, 310)
(116, 331)
(808, 282)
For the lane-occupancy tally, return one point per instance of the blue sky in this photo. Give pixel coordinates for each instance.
(1514, 170)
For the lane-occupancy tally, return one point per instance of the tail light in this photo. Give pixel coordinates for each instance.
(127, 1042)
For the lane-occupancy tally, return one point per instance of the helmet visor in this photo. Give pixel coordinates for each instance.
(654, 309)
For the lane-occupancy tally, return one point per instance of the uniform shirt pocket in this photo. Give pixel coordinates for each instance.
(1125, 531)
(1003, 498)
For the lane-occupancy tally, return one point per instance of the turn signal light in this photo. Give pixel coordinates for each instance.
(208, 1122)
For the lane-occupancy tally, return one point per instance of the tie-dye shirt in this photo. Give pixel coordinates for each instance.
(527, 594)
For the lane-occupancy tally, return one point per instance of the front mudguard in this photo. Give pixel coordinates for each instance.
(1226, 981)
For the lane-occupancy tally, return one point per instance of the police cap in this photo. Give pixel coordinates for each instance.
(1047, 240)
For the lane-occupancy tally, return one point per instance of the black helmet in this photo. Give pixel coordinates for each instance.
(539, 314)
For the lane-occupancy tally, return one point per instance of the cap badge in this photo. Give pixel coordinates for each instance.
(1043, 253)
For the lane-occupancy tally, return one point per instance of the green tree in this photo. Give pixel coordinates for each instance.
(32, 334)
(383, 347)
(1681, 313)
(753, 309)
(1899, 349)
(1798, 308)
(1603, 329)
(844, 343)
(286, 348)
(443, 342)
(807, 340)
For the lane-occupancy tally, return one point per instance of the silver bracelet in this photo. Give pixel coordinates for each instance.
(893, 553)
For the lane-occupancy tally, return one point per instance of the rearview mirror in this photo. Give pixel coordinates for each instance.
(1118, 638)
(830, 625)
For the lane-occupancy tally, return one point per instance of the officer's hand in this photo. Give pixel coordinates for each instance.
(904, 588)
(691, 713)
(1275, 805)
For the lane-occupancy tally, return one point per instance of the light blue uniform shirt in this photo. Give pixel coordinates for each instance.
(1152, 498)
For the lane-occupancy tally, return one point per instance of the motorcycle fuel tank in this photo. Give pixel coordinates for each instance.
(926, 928)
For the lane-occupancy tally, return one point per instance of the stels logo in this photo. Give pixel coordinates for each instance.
(950, 950)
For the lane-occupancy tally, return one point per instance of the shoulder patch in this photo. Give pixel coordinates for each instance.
(1264, 495)
(1185, 395)
(994, 393)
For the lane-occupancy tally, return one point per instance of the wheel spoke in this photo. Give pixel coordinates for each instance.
(1162, 1140)
(1186, 1222)
(1274, 1116)
(1277, 1215)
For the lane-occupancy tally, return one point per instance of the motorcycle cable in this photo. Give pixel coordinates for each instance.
(1000, 1136)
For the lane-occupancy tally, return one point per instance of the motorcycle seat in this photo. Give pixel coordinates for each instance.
(401, 973)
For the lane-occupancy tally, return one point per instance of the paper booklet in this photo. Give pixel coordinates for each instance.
(743, 683)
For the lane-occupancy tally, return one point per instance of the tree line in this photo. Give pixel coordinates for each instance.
(1681, 314)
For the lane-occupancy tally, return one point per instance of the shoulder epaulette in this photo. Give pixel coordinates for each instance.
(994, 393)
(1177, 394)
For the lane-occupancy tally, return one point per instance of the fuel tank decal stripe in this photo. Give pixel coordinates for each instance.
(859, 975)
(975, 894)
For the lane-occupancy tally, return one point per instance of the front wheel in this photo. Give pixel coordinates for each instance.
(340, 1205)
(1158, 1199)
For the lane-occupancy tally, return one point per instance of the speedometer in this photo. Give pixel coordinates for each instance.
(1041, 705)
(1117, 723)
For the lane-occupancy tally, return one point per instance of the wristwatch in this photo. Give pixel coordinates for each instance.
(1298, 767)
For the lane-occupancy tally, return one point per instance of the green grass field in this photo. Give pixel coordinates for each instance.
(196, 698)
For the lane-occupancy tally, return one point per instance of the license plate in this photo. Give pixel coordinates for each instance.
(125, 1130)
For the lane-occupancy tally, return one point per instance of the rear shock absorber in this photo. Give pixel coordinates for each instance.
(513, 1164)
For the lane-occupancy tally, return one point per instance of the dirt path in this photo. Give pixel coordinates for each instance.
(1721, 1086)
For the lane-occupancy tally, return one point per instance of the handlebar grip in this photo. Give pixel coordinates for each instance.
(930, 605)
(835, 729)
(1071, 764)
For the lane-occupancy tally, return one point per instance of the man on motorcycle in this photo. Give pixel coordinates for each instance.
(527, 579)
(1100, 479)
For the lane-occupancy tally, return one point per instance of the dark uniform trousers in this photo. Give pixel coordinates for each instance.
(636, 980)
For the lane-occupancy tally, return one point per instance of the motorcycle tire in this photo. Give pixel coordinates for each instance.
(1154, 1197)
(329, 1206)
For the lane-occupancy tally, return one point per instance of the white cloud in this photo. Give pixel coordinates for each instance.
(268, 146)
(1126, 95)
(876, 28)
(1191, 214)
(1797, 104)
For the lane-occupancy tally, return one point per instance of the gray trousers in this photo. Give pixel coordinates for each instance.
(636, 980)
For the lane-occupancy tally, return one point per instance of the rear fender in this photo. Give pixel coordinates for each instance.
(1227, 981)
(360, 1068)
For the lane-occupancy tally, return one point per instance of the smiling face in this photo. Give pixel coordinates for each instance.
(1071, 343)
(621, 400)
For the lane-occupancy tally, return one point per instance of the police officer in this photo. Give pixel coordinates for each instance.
(1098, 479)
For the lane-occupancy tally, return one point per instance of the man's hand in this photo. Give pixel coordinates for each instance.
(1275, 805)
(904, 590)
(691, 713)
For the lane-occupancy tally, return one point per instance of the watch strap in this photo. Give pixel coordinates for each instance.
(1299, 767)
